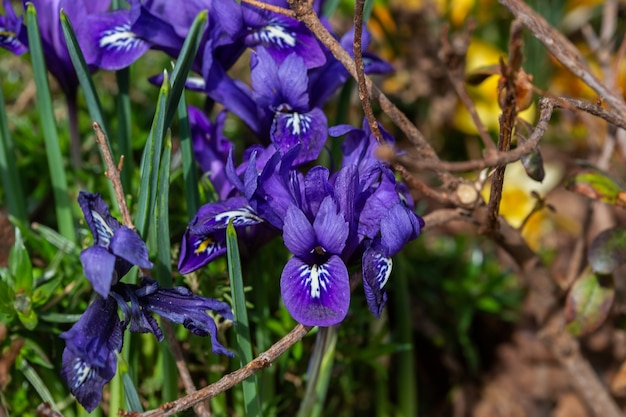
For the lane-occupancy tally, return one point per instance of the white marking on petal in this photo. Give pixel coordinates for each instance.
(119, 38)
(80, 372)
(383, 266)
(316, 279)
(275, 35)
(298, 123)
(240, 217)
(103, 230)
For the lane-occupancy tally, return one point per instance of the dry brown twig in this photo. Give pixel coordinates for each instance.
(359, 67)
(509, 72)
(454, 60)
(563, 50)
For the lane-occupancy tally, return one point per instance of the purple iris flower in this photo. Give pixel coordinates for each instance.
(116, 247)
(12, 31)
(281, 93)
(315, 285)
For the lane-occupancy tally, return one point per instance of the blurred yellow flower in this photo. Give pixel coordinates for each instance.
(518, 202)
(481, 54)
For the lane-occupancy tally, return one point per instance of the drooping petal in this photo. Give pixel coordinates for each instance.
(110, 43)
(330, 227)
(397, 228)
(376, 271)
(180, 305)
(316, 295)
(127, 245)
(90, 355)
(197, 251)
(298, 233)
(98, 218)
(310, 130)
(99, 268)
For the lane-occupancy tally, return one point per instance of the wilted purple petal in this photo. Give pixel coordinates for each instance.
(90, 355)
(180, 305)
(316, 295)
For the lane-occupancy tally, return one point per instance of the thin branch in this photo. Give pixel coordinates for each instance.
(228, 381)
(564, 51)
(454, 60)
(364, 95)
(113, 174)
(270, 7)
(509, 72)
(546, 107)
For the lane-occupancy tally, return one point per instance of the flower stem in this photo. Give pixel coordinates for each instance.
(320, 368)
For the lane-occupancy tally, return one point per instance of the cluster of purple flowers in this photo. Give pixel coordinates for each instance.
(331, 221)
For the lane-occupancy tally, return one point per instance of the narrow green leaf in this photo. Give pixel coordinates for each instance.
(599, 186)
(124, 123)
(132, 396)
(149, 169)
(183, 65)
(163, 267)
(20, 266)
(9, 173)
(608, 250)
(59, 241)
(48, 125)
(242, 328)
(82, 71)
(588, 303)
(35, 380)
(190, 174)
(43, 292)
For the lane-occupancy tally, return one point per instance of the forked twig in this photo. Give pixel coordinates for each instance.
(364, 95)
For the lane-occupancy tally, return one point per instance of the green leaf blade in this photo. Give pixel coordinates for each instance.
(242, 326)
(48, 124)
